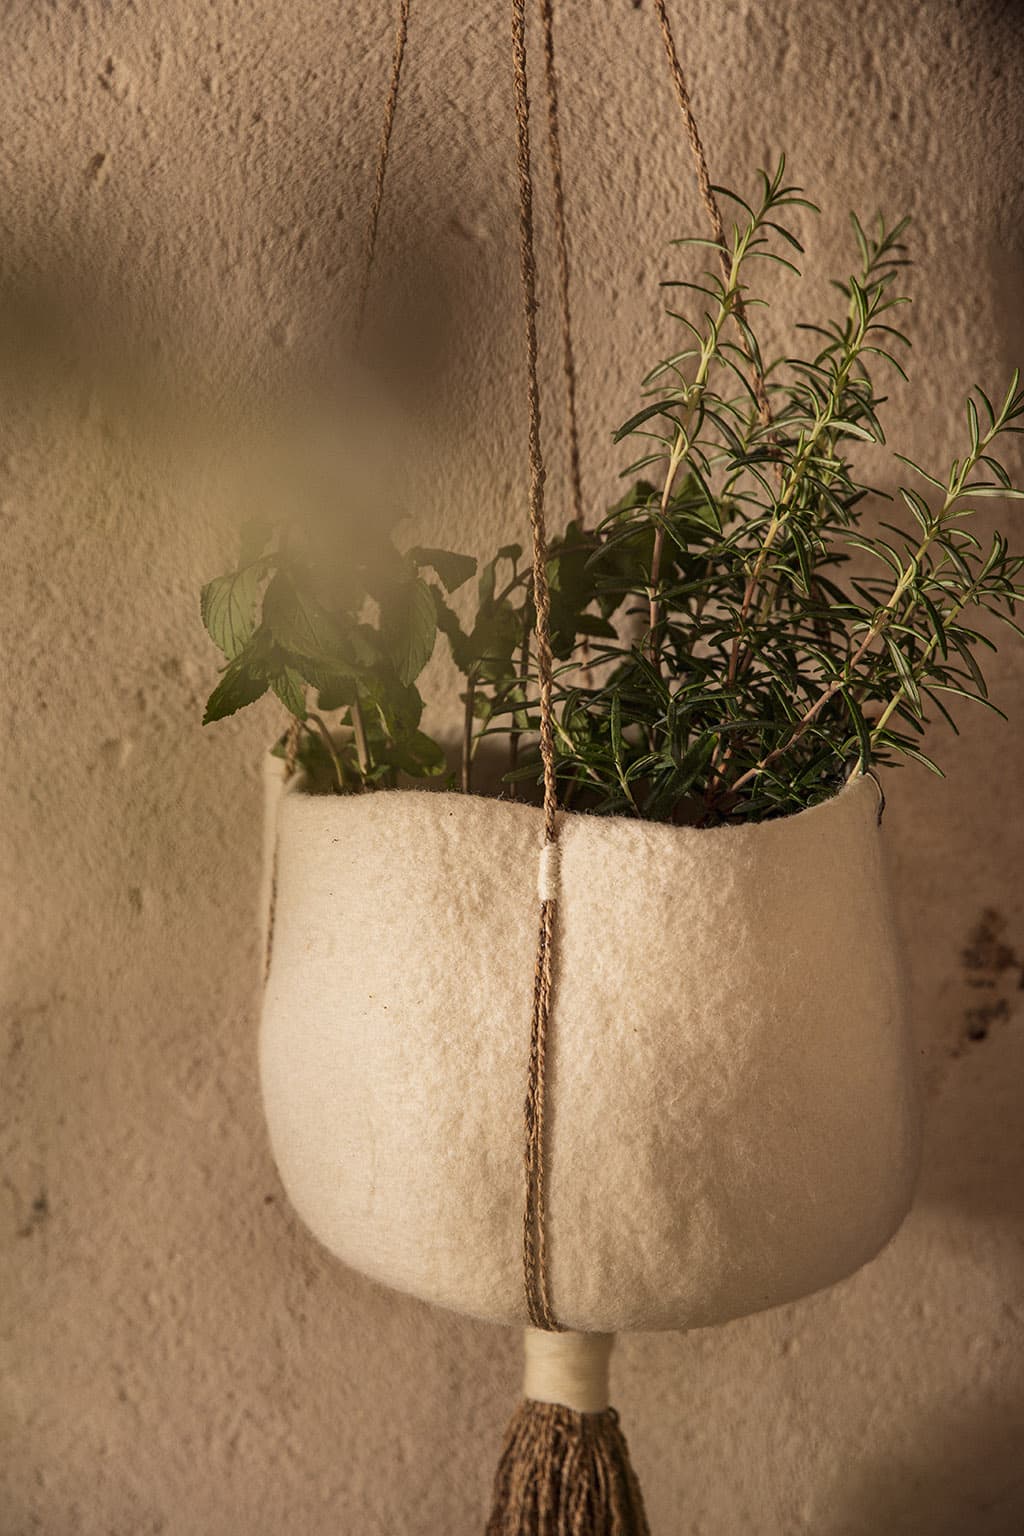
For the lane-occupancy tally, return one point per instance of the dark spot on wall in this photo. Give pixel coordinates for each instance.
(980, 1020)
(987, 955)
(992, 970)
(39, 1212)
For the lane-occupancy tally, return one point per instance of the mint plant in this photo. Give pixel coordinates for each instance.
(738, 634)
(292, 622)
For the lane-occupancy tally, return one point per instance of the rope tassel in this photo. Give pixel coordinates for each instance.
(565, 1467)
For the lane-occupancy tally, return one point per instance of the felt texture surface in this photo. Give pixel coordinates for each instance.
(732, 1106)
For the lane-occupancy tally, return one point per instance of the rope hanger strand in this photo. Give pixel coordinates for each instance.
(708, 198)
(563, 1471)
(535, 1265)
(547, 9)
(390, 105)
(535, 1268)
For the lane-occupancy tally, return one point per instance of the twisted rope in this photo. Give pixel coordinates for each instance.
(547, 10)
(708, 198)
(535, 1268)
(390, 105)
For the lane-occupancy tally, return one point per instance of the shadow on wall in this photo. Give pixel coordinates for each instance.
(963, 1476)
(154, 358)
(974, 1154)
(967, 945)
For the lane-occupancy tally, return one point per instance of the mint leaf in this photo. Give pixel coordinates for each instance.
(420, 756)
(242, 682)
(228, 608)
(408, 624)
(290, 688)
(334, 692)
(399, 705)
(303, 626)
(495, 636)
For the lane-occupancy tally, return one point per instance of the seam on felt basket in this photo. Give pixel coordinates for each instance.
(271, 913)
(869, 773)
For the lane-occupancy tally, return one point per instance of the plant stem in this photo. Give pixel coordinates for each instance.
(359, 731)
(681, 442)
(881, 621)
(787, 491)
(952, 613)
(740, 653)
(515, 733)
(339, 772)
(680, 448)
(467, 734)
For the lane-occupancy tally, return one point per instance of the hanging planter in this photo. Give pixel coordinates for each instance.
(682, 959)
(730, 1104)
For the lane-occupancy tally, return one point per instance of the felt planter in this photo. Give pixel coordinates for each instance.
(731, 1096)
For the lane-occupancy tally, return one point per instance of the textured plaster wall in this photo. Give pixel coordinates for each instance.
(182, 190)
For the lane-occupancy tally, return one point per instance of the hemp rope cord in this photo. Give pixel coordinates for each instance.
(369, 253)
(401, 35)
(534, 1233)
(547, 10)
(708, 198)
(535, 1268)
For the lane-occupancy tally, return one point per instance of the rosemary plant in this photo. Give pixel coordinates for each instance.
(737, 635)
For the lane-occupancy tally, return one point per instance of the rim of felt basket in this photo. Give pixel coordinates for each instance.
(295, 790)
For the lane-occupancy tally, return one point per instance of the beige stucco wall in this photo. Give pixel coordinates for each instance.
(182, 188)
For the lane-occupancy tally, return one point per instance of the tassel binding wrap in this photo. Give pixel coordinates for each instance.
(565, 1468)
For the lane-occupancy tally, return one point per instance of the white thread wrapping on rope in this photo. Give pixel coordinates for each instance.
(568, 1368)
(548, 871)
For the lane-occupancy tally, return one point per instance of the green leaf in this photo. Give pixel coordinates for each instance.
(300, 624)
(906, 676)
(935, 622)
(852, 429)
(228, 608)
(973, 425)
(921, 757)
(290, 689)
(490, 645)
(975, 492)
(420, 756)
(335, 693)
(399, 705)
(692, 761)
(860, 727)
(409, 628)
(658, 408)
(242, 682)
(453, 569)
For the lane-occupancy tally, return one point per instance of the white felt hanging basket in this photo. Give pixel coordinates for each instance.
(585, 1073)
(731, 1111)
